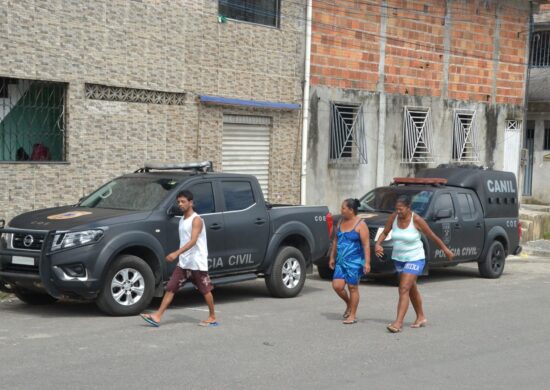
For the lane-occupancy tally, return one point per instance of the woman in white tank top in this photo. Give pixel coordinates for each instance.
(409, 258)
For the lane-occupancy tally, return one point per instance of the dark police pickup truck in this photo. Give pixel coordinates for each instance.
(111, 246)
(473, 210)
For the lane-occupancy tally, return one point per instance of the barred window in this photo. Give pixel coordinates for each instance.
(347, 133)
(267, 12)
(465, 137)
(540, 49)
(417, 136)
(32, 120)
(546, 145)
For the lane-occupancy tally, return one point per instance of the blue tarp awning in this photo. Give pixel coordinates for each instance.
(248, 103)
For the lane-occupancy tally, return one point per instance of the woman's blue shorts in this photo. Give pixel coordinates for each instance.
(410, 267)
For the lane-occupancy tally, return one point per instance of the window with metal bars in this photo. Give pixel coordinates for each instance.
(32, 120)
(267, 12)
(347, 131)
(540, 49)
(465, 140)
(417, 136)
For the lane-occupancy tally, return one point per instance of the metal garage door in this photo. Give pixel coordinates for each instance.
(245, 147)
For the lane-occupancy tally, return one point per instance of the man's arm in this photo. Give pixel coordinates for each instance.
(195, 231)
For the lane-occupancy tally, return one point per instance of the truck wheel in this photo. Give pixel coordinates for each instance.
(493, 265)
(288, 274)
(32, 297)
(128, 287)
(325, 272)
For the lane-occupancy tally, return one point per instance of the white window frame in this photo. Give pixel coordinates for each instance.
(465, 136)
(348, 141)
(417, 136)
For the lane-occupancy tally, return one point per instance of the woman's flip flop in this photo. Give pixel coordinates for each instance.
(420, 324)
(393, 329)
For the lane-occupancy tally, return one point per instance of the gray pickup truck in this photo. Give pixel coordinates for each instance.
(473, 210)
(111, 246)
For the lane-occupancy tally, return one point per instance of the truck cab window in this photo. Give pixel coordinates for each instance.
(203, 198)
(238, 195)
(445, 202)
(466, 204)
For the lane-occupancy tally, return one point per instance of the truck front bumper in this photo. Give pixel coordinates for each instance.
(68, 272)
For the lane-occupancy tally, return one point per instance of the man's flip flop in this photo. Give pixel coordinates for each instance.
(149, 320)
(349, 322)
(346, 314)
(206, 324)
(393, 329)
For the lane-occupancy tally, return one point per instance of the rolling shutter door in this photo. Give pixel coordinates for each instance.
(245, 147)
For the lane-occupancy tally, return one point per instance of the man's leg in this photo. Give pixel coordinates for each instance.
(166, 301)
(202, 281)
(179, 276)
(209, 298)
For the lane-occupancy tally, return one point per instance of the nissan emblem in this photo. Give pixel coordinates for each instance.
(28, 240)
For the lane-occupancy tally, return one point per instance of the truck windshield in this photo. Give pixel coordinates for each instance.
(383, 199)
(131, 193)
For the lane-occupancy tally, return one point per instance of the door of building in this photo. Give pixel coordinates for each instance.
(245, 147)
(530, 146)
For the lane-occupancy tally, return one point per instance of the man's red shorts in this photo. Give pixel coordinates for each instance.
(200, 279)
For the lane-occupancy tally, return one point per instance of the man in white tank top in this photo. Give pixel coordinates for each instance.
(192, 262)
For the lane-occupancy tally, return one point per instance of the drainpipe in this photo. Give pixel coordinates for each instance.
(520, 175)
(305, 108)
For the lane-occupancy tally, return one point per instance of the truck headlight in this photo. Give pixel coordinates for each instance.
(379, 232)
(74, 239)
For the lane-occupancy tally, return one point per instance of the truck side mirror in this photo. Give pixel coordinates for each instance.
(442, 214)
(174, 211)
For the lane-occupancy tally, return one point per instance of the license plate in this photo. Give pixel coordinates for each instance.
(21, 260)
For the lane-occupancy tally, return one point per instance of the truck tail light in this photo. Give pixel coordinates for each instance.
(330, 223)
(520, 232)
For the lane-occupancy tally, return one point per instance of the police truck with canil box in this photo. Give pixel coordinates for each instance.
(473, 210)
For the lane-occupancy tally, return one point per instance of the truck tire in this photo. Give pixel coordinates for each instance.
(32, 297)
(128, 287)
(493, 265)
(325, 272)
(288, 274)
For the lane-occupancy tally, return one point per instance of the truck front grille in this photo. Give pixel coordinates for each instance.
(20, 269)
(28, 241)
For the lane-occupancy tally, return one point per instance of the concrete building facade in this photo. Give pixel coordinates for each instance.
(398, 85)
(536, 137)
(92, 90)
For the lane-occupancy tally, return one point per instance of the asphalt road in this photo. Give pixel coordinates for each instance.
(482, 334)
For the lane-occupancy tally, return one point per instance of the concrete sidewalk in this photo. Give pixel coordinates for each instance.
(537, 248)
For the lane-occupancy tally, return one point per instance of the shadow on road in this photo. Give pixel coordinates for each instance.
(243, 292)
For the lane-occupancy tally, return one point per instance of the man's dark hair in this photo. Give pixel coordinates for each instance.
(185, 194)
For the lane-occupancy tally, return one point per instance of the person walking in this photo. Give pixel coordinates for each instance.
(350, 257)
(409, 258)
(192, 265)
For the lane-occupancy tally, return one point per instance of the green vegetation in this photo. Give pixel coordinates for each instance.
(546, 235)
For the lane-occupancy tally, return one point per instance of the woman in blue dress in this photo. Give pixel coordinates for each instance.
(350, 257)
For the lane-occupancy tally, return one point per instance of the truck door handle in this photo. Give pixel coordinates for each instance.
(457, 226)
(215, 226)
(260, 221)
(478, 225)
